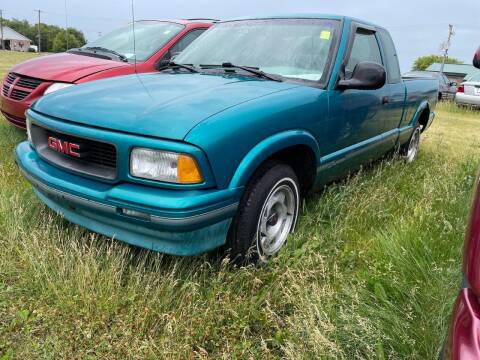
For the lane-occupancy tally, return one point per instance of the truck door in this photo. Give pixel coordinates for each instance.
(357, 117)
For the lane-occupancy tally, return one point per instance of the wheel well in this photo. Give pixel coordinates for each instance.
(424, 117)
(302, 159)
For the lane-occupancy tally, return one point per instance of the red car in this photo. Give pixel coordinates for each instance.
(476, 60)
(463, 340)
(111, 55)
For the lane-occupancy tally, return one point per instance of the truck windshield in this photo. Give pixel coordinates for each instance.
(291, 48)
(150, 36)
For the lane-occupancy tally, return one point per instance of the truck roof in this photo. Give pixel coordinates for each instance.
(305, 16)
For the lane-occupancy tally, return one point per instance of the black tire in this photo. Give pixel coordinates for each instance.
(405, 150)
(243, 245)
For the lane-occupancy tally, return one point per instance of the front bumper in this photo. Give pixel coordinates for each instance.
(14, 111)
(463, 342)
(170, 221)
(464, 99)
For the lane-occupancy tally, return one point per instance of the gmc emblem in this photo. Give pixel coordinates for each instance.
(63, 147)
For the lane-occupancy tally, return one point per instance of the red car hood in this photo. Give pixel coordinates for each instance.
(64, 67)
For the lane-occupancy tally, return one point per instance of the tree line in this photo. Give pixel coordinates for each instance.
(423, 62)
(53, 38)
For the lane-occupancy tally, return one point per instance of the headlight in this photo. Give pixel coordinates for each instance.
(56, 87)
(29, 134)
(164, 166)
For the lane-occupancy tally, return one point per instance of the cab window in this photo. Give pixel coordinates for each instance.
(391, 57)
(365, 48)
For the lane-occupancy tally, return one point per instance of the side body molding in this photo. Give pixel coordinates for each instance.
(269, 146)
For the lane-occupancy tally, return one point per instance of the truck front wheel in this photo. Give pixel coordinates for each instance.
(267, 214)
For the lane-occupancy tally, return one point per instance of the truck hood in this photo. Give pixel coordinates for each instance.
(157, 104)
(64, 67)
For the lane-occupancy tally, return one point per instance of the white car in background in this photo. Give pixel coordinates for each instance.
(469, 92)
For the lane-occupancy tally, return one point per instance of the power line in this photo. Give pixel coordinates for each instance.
(39, 33)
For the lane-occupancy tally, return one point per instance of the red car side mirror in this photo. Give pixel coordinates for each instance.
(476, 59)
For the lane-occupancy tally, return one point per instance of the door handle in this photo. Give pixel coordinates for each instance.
(385, 100)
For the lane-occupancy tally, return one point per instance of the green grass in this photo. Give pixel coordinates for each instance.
(371, 272)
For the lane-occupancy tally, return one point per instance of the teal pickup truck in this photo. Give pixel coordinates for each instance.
(217, 149)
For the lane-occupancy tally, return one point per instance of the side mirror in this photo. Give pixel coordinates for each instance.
(175, 54)
(167, 58)
(476, 60)
(453, 83)
(162, 63)
(366, 76)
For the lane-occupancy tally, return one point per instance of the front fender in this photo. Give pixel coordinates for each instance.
(269, 146)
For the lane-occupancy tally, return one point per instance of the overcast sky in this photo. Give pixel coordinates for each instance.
(417, 26)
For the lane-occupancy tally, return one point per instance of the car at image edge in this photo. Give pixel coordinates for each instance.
(110, 55)
(462, 341)
(469, 92)
(217, 150)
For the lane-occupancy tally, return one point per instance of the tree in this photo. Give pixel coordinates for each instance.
(52, 40)
(59, 43)
(423, 62)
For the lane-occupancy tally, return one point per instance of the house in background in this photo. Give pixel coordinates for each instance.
(455, 72)
(13, 40)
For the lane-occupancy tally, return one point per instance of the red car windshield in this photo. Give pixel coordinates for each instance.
(150, 36)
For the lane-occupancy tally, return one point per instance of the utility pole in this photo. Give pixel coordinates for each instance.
(66, 24)
(39, 34)
(1, 29)
(446, 46)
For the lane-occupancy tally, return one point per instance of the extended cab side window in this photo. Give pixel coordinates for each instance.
(391, 57)
(365, 48)
(181, 44)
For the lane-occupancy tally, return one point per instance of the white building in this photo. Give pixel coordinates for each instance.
(13, 40)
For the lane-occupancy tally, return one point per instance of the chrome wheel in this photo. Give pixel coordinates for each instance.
(413, 146)
(277, 218)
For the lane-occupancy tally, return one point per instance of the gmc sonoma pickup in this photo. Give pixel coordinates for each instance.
(218, 148)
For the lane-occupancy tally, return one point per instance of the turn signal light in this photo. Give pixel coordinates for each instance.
(188, 172)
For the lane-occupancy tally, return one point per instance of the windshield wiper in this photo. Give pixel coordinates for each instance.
(105, 50)
(252, 70)
(174, 65)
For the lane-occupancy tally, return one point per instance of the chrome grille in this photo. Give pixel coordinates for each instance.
(5, 90)
(11, 78)
(22, 86)
(97, 158)
(29, 83)
(19, 94)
